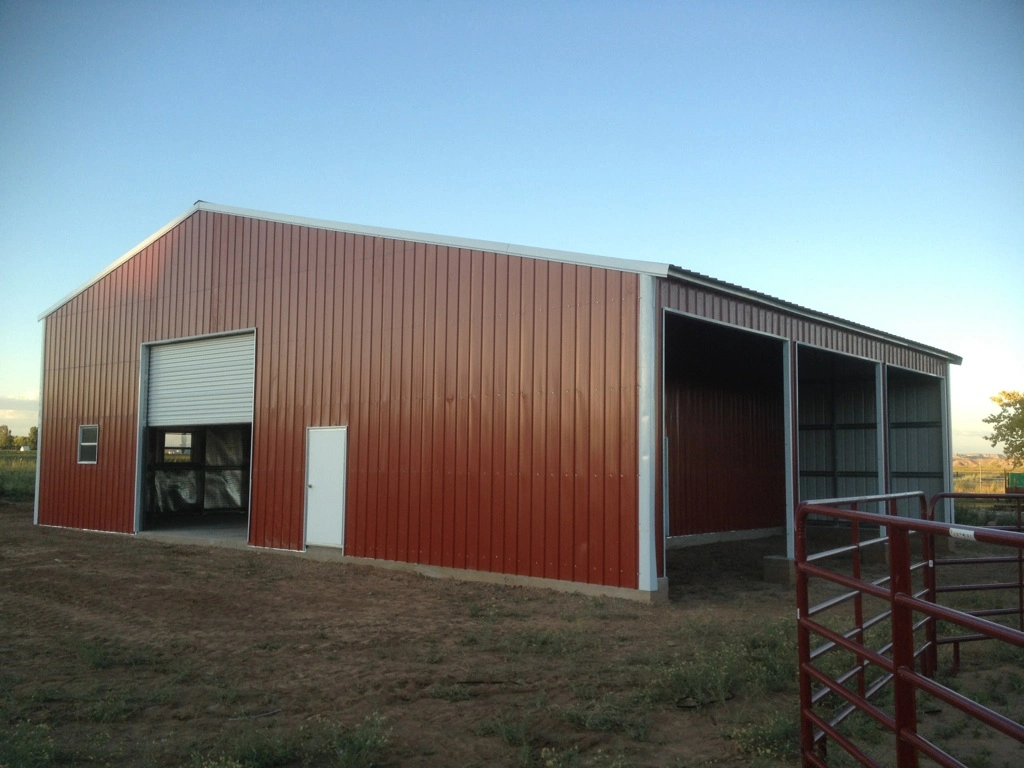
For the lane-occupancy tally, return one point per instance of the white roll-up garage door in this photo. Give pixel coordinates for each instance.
(207, 381)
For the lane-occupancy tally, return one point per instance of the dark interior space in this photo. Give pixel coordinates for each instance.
(724, 420)
(837, 433)
(916, 442)
(722, 565)
(197, 476)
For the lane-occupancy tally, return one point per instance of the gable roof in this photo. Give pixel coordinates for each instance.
(569, 257)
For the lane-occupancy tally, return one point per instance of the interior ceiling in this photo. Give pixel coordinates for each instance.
(821, 364)
(717, 355)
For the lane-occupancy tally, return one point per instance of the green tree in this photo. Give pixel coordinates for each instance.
(33, 438)
(1008, 425)
(6, 440)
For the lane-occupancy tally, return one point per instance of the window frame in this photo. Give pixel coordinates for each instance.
(83, 443)
(187, 451)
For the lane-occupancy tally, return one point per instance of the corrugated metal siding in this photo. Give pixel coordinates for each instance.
(89, 375)
(837, 431)
(915, 440)
(491, 400)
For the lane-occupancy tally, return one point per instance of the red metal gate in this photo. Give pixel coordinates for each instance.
(1013, 505)
(892, 635)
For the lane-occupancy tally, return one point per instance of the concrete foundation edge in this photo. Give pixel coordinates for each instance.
(432, 571)
(487, 577)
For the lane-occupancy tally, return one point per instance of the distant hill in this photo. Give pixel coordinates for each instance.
(990, 461)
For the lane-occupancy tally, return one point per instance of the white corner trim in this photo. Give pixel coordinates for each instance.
(646, 438)
(789, 390)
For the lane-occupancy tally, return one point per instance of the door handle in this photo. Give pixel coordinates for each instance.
(309, 485)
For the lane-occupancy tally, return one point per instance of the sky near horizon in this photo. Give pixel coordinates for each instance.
(862, 159)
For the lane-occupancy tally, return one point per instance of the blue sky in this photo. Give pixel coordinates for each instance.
(865, 159)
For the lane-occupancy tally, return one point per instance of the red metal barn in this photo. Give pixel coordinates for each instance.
(517, 414)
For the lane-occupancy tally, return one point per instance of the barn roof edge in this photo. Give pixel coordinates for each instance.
(689, 276)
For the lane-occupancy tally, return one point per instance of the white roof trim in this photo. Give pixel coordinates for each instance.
(510, 249)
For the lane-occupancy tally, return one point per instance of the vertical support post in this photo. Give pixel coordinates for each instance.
(883, 426)
(140, 435)
(880, 427)
(947, 449)
(789, 395)
(647, 441)
(902, 645)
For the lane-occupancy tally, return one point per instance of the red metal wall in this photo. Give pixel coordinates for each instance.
(490, 399)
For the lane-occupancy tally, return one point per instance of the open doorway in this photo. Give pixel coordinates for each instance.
(918, 455)
(197, 477)
(725, 430)
(837, 425)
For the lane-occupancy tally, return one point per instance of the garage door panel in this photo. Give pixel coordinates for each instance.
(206, 381)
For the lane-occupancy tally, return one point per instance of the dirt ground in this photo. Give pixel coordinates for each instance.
(124, 651)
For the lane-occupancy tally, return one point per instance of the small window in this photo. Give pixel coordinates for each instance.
(177, 447)
(88, 443)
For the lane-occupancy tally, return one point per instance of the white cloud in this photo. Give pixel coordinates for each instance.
(19, 413)
(10, 404)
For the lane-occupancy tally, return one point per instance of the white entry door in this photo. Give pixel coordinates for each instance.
(325, 486)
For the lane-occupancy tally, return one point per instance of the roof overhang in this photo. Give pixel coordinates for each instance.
(695, 278)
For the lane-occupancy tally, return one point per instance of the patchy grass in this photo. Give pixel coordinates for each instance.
(758, 661)
(453, 692)
(318, 743)
(776, 737)
(17, 475)
(548, 642)
(516, 732)
(105, 653)
(613, 713)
